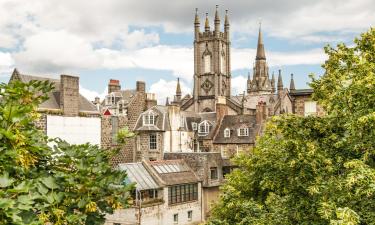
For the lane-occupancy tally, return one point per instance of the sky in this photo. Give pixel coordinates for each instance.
(152, 41)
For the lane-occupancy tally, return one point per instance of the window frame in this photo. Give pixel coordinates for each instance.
(310, 105)
(206, 128)
(216, 173)
(152, 144)
(182, 193)
(149, 119)
(175, 218)
(194, 126)
(190, 215)
(243, 132)
(227, 133)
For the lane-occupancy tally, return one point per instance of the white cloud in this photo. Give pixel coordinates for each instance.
(164, 89)
(90, 95)
(239, 84)
(6, 64)
(139, 38)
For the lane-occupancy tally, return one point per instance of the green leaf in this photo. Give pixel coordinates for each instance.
(5, 181)
(49, 182)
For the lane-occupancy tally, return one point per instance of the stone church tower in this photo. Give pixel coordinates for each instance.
(212, 76)
(260, 84)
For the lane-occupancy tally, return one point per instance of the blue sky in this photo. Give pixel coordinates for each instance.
(152, 40)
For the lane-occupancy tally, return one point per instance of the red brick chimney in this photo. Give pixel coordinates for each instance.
(261, 112)
(114, 85)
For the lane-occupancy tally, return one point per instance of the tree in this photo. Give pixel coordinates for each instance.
(39, 184)
(314, 170)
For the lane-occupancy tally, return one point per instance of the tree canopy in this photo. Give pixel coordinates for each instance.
(314, 170)
(39, 184)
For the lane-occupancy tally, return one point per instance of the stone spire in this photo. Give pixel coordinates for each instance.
(167, 101)
(178, 89)
(217, 22)
(248, 83)
(280, 85)
(260, 47)
(273, 83)
(226, 25)
(207, 24)
(196, 24)
(292, 86)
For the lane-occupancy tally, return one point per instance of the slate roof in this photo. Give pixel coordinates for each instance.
(161, 123)
(173, 172)
(53, 102)
(138, 174)
(300, 92)
(234, 122)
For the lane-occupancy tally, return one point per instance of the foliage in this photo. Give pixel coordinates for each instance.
(314, 170)
(39, 184)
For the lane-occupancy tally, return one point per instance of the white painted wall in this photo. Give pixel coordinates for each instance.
(74, 130)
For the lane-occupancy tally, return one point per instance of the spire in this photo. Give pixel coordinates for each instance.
(292, 87)
(167, 101)
(273, 83)
(178, 88)
(226, 22)
(206, 24)
(196, 21)
(260, 48)
(217, 19)
(15, 71)
(280, 85)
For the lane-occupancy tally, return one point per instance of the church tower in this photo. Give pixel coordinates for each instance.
(212, 75)
(261, 84)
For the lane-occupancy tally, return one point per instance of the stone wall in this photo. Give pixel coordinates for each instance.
(69, 95)
(231, 150)
(299, 105)
(143, 150)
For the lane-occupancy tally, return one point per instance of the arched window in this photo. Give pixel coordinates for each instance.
(222, 63)
(207, 63)
(227, 132)
(204, 128)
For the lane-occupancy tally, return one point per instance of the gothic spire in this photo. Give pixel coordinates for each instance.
(217, 19)
(260, 47)
(207, 24)
(292, 86)
(280, 85)
(273, 83)
(196, 21)
(178, 88)
(226, 22)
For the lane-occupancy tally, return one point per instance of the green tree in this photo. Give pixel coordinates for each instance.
(39, 184)
(314, 170)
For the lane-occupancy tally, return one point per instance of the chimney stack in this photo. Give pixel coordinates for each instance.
(69, 95)
(114, 85)
(141, 86)
(261, 112)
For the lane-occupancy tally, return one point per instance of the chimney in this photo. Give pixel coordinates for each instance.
(150, 100)
(261, 112)
(114, 85)
(69, 95)
(141, 86)
(221, 108)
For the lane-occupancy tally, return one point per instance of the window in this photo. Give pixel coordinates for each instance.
(175, 218)
(207, 63)
(204, 128)
(153, 142)
(227, 132)
(194, 125)
(190, 215)
(226, 170)
(222, 63)
(182, 122)
(213, 172)
(310, 108)
(152, 193)
(182, 193)
(149, 119)
(243, 132)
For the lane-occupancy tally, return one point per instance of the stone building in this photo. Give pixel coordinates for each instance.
(120, 109)
(66, 114)
(167, 192)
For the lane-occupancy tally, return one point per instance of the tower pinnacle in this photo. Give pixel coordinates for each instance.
(260, 47)
(196, 21)
(292, 86)
(206, 24)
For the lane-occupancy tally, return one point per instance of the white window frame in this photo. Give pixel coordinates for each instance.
(152, 143)
(194, 126)
(204, 128)
(226, 132)
(149, 119)
(310, 108)
(243, 132)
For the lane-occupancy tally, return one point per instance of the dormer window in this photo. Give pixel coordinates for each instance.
(204, 128)
(149, 119)
(227, 133)
(194, 125)
(243, 132)
(121, 106)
